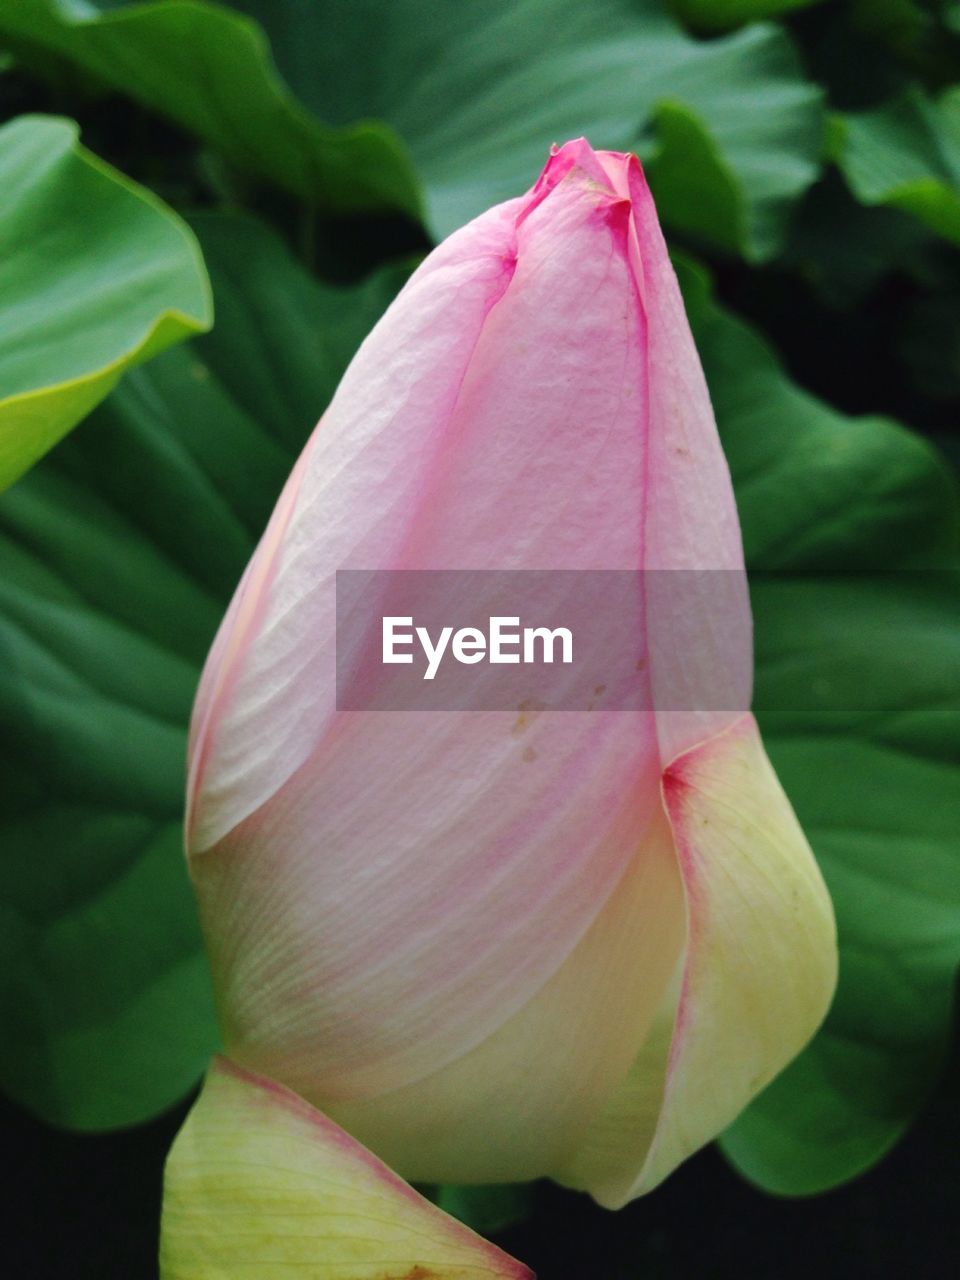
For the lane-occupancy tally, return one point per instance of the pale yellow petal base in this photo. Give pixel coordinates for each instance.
(261, 1186)
(758, 976)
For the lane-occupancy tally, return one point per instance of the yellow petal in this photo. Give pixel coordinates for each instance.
(758, 977)
(260, 1186)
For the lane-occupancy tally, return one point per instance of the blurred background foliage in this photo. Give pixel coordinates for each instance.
(296, 157)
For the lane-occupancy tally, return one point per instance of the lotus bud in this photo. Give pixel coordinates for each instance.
(500, 942)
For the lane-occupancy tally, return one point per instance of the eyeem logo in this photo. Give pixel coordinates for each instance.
(504, 643)
(605, 640)
(528, 641)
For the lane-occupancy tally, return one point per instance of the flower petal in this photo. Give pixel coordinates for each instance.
(520, 1103)
(422, 875)
(258, 1184)
(359, 479)
(233, 634)
(759, 973)
(699, 629)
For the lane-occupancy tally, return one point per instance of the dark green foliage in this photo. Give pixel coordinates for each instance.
(813, 162)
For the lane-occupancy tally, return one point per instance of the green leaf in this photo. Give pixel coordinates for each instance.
(478, 94)
(516, 75)
(117, 557)
(914, 34)
(696, 191)
(858, 697)
(211, 71)
(96, 276)
(487, 1209)
(843, 249)
(906, 154)
(719, 15)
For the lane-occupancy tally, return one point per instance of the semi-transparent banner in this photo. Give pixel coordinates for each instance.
(584, 640)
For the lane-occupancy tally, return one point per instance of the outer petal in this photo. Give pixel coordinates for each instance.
(362, 475)
(699, 630)
(258, 1184)
(421, 876)
(239, 624)
(759, 973)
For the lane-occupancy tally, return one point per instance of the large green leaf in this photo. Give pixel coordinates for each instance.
(481, 91)
(117, 557)
(851, 528)
(96, 275)
(906, 154)
(478, 93)
(211, 71)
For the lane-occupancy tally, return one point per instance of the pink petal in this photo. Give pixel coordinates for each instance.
(698, 611)
(422, 875)
(362, 474)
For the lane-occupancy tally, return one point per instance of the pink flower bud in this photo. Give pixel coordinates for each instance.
(498, 944)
